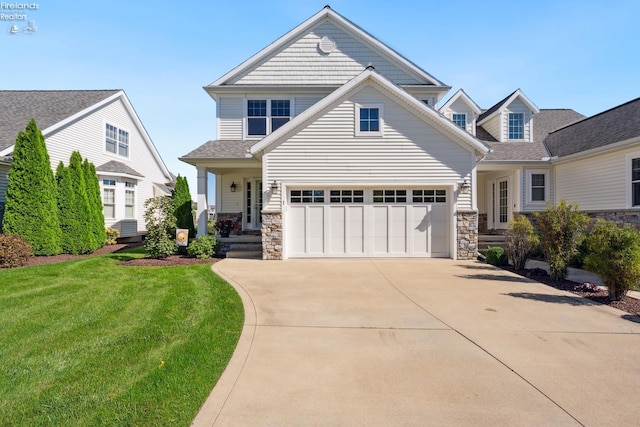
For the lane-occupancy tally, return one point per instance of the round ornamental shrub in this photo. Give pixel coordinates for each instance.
(496, 256)
(203, 247)
(14, 251)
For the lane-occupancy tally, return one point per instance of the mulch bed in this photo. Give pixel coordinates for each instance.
(144, 262)
(628, 304)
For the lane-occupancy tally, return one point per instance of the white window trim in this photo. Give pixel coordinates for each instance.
(104, 140)
(113, 187)
(245, 120)
(524, 125)
(466, 122)
(131, 189)
(380, 108)
(547, 186)
(628, 181)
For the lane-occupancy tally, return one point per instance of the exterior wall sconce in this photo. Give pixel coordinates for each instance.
(465, 187)
(233, 187)
(274, 185)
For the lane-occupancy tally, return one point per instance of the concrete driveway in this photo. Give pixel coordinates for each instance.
(420, 342)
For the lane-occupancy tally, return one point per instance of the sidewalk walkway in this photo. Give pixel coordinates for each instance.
(577, 275)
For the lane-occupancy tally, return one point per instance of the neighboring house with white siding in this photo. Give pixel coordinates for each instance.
(103, 126)
(331, 144)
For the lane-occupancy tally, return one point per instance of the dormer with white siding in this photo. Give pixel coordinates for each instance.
(511, 119)
(462, 111)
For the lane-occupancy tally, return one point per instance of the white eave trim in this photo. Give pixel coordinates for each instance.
(462, 95)
(434, 117)
(120, 174)
(517, 94)
(325, 13)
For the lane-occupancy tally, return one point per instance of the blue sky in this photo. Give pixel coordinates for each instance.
(563, 54)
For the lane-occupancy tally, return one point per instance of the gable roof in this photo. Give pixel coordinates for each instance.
(618, 124)
(461, 95)
(48, 107)
(53, 109)
(371, 76)
(547, 120)
(504, 103)
(340, 21)
(221, 149)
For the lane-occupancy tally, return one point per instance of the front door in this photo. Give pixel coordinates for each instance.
(253, 204)
(502, 213)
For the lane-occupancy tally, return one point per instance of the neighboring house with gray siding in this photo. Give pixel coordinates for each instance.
(103, 126)
(332, 145)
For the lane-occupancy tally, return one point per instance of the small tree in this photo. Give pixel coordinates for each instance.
(95, 204)
(31, 209)
(161, 227)
(182, 206)
(519, 240)
(614, 255)
(561, 229)
(69, 222)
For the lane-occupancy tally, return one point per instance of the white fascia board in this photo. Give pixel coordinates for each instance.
(120, 174)
(462, 95)
(434, 117)
(595, 151)
(7, 150)
(517, 94)
(347, 25)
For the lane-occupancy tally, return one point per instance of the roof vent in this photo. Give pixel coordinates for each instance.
(327, 45)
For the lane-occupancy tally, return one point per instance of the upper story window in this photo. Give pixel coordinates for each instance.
(266, 115)
(369, 120)
(516, 125)
(460, 120)
(116, 140)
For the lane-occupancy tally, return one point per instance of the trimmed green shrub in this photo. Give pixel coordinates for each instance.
(561, 230)
(112, 235)
(95, 204)
(14, 251)
(161, 227)
(614, 255)
(520, 239)
(203, 247)
(182, 206)
(31, 209)
(496, 256)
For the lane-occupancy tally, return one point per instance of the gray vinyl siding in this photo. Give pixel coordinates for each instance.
(302, 62)
(87, 135)
(493, 127)
(597, 183)
(411, 152)
(4, 180)
(230, 117)
(304, 102)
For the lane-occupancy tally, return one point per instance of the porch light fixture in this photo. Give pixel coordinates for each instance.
(233, 187)
(274, 185)
(465, 187)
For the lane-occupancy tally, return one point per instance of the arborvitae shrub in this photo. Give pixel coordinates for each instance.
(182, 206)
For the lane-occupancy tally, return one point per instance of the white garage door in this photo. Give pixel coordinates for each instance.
(367, 223)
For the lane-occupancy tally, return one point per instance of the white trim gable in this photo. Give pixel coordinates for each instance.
(462, 96)
(369, 76)
(339, 20)
(516, 95)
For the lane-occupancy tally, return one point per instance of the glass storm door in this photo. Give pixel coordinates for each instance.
(502, 206)
(253, 204)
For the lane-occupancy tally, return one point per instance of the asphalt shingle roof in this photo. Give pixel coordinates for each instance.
(118, 167)
(617, 124)
(48, 107)
(547, 120)
(491, 110)
(222, 149)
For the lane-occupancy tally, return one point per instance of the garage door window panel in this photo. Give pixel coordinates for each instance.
(346, 196)
(389, 196)
(429, 196)
(306, 196)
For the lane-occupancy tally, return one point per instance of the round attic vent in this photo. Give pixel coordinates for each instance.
(327, 45)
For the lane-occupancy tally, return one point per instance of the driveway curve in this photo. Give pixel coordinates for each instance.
(420, 342)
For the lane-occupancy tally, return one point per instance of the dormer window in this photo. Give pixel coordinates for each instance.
(266, 115)
(369, 120)
(459, 120)
(516, 125)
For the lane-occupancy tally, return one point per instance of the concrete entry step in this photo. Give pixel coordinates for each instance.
(257, 246)
(240, 239)
(245, 254)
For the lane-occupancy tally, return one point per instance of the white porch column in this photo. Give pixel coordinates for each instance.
(202, 211)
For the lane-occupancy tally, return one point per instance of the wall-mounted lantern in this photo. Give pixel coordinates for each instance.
(465, 187)
(233, 187)
(274, 185)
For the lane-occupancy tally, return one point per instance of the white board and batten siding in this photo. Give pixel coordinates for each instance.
(302, 62)
(597, 183)
(410, 155)
(87, 135)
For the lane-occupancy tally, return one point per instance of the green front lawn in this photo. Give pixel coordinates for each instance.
(89, 342)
